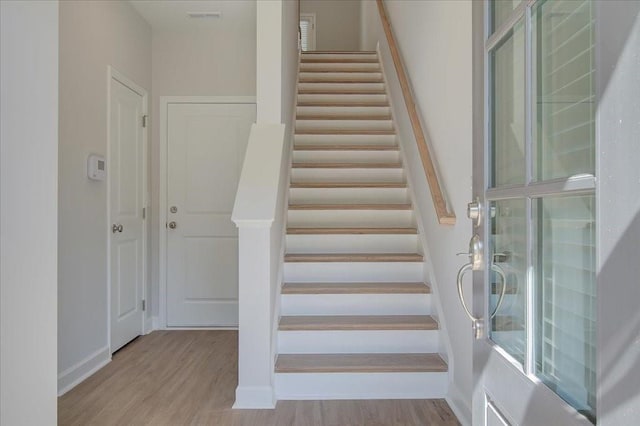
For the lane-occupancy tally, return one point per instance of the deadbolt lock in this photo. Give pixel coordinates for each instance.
(173, 209)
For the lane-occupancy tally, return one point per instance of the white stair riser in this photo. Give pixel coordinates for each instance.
(325, 386)
(342, 111)
(334, 56)
(353, 342)
(353, 271)
(336, 218)
(353, 98)
(338, 66)
(341, 86)
(348, 195)
(347, 175)
(301, 156)
(352, 243)
(345, 139)
(355, 304)
(363, 125)
(357, 76)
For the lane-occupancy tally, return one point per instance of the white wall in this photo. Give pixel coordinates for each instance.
(435, 41)
(289, 61)
(337, 23)
(618, 214)
(29, 210)
(208, 58)
(93, 35)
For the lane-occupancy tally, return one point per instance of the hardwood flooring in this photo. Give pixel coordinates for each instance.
(189, 378)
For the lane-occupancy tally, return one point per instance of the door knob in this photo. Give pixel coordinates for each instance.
(173, 225)
(116, 228)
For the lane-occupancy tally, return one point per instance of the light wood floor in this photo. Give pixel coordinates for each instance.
(189, 378)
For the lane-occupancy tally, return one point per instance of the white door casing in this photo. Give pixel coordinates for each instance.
(206, 143)
(127, 183)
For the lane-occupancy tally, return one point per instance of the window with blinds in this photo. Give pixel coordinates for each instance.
(545, 59)
(307, 32)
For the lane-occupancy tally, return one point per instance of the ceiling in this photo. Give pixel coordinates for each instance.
(172, 14)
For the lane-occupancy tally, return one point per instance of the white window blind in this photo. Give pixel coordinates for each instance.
(307, 33)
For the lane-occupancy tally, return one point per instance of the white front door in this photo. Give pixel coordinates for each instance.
(206, 144)
(126, 179)
(534, 249)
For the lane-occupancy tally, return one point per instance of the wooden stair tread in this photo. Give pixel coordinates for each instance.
(353, 257)
(338, 80)
(355, 117)
(355, 288)
(360, 363)
(343, 91)
(343, 104)
(357, 322)
(339, 52)
(344, 132)
(352, 231)
(344, 60)
(296, 185)
(340, 70)
(385, 206)
(346, 165)
(343, 147)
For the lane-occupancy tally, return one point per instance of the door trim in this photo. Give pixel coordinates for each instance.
(161, 323)
(112, 74)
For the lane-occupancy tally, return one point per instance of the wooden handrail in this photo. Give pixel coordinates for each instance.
(445, 217)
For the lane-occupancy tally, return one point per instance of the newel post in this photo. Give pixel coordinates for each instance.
(255, 366)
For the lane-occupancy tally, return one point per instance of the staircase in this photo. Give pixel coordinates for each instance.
(355, 309)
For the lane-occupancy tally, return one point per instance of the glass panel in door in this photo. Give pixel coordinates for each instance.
(564, 59)
(508, 110)
(565, 358)
(508, 242)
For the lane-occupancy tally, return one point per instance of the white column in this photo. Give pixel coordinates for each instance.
(255, 366)
(269, 61)
(28, 212)
(254, 213)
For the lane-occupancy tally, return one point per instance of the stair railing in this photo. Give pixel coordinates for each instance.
(445, 216)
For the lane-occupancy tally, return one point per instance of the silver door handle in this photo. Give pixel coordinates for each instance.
(116, 228)
(469, 267)
(173, 225)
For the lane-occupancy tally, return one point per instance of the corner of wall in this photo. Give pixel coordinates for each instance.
(78, 372)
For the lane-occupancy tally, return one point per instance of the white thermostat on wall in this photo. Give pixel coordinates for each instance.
(96, 167)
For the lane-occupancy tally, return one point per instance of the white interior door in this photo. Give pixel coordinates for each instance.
(206, 144)
(126, 175)
(533, 254)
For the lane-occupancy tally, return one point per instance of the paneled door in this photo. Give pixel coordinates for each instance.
(206, 144)
(126, 175)
(533, 253)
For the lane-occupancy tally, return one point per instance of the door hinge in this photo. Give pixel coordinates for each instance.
(144, 120)
(144, 212)
(144, 305)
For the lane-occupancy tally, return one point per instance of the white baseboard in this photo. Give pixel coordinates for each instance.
(252, 397)
(457, 403)
(77, 373)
